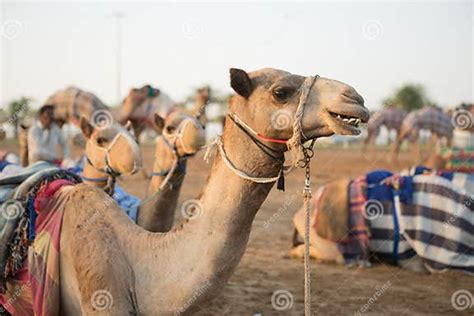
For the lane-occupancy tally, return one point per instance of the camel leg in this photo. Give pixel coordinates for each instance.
(395, 148)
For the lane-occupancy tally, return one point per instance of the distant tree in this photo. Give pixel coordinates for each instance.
(408, 97)
(17, 111)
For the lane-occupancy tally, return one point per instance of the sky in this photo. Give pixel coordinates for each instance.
(373, 46)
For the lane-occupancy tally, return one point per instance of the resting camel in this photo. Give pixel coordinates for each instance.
(110, 152)
(391, 117)
(167, 273)
(351, 224)
(428, 118)
(182, 136)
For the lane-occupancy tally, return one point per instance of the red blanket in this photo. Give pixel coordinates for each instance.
(35, 289)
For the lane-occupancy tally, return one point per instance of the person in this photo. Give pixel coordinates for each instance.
(45, 137)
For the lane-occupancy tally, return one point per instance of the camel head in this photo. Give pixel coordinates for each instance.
(267, 101)
(181, 131)
(138, 96)
(111, 147)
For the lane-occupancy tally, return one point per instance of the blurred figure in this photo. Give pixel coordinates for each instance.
(391, 117)
(45, 137)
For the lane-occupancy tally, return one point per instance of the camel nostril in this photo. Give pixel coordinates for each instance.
(351, 96)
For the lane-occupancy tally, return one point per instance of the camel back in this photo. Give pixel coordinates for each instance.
(72, 103)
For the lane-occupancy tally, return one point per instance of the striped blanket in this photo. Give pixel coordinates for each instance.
(34, 289)
(458, 159)
(431, 216)
(428, 118)
(390, 117)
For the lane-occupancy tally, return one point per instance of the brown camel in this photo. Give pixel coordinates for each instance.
(182, 137)
(428, 118)
(391, 117)
(110, 152)
(138, 272)
(73, 103)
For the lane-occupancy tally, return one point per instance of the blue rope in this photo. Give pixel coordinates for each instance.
(396, 229)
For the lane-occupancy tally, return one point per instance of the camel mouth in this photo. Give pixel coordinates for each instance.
(348, 121)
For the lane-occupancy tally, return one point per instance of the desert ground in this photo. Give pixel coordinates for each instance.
(336, 290)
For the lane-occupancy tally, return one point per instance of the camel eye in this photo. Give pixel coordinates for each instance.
(101, 140)
(281, 94)
(170, 129)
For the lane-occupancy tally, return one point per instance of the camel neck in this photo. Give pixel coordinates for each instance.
(92, 173)
(157, 213)
(204, 251)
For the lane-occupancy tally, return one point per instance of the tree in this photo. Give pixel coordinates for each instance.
(17, 111)
(408, 97)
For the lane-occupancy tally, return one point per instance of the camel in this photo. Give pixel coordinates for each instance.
(428, 118)
(139, 272)
(110, 152)
(337, 234)
(391, 117)
(182, 137)
(73, 103)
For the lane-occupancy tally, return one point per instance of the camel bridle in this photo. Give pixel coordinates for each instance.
(303, 159)
(171, 140)
(112, 174)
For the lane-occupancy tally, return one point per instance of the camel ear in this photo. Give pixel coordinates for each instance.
(159, 123)
(86, 127)
(240, 82)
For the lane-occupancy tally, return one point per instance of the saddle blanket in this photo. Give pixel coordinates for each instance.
(428, 215)
(34, 290)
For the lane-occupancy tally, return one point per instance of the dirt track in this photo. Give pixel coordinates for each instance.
(337, 290)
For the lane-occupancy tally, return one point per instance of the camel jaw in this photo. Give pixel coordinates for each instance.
(347, 120)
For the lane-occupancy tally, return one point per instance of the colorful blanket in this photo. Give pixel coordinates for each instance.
(34, 290)
(458, 159)
(356, 246)
(424, 215)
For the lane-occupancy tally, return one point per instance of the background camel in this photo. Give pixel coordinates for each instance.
(73, 103)
(104, 253)
(391, 117)
(182, 137)
(428, 118)
(338, 234)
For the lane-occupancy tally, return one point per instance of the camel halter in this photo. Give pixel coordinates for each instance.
(302, 159)
(111, 172)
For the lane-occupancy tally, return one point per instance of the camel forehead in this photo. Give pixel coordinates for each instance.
(269, 76)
